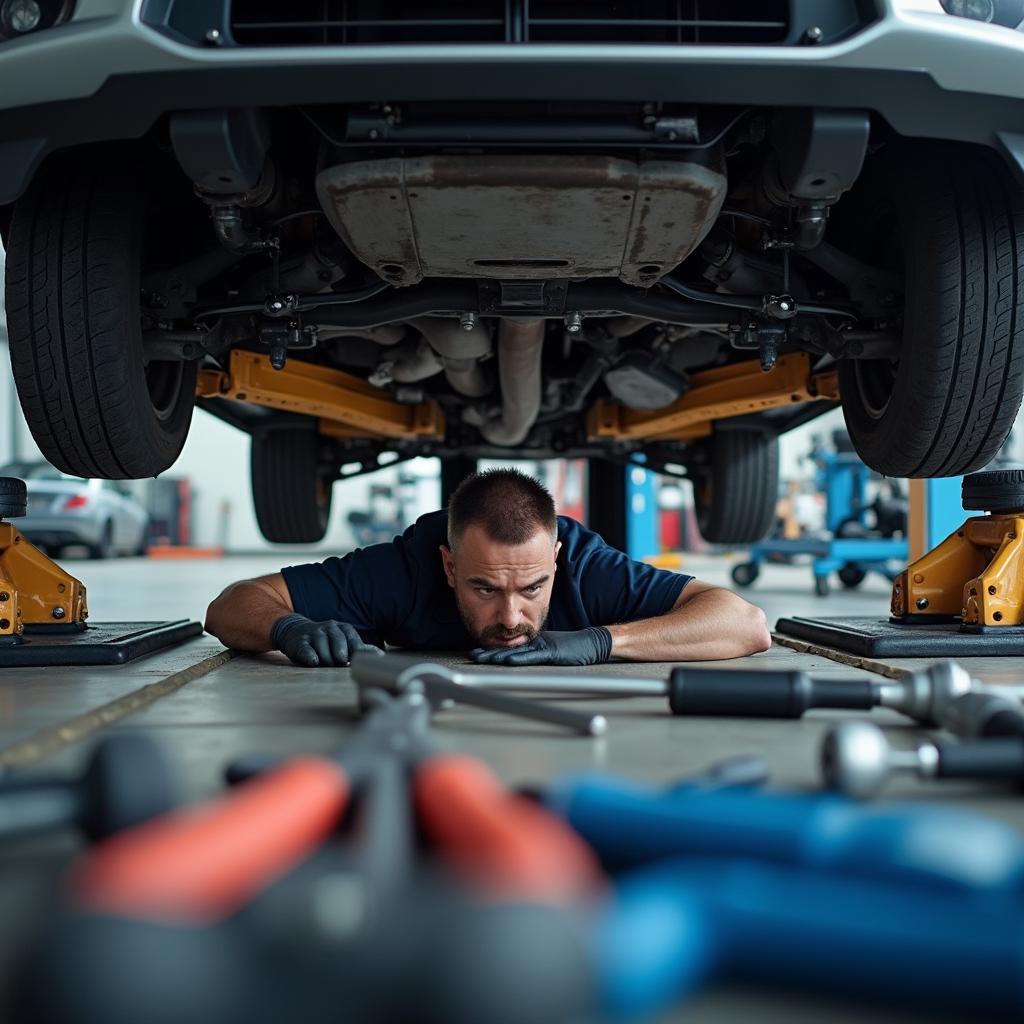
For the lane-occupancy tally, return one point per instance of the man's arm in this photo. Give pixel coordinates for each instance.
(242, 616)
(707, 623)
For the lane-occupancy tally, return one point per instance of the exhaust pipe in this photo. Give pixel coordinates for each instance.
(460, 351)
(520, 345)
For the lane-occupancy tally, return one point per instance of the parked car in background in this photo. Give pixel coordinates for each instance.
(65, 510)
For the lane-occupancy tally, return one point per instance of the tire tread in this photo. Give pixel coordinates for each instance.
(73, 321)
(964, 343)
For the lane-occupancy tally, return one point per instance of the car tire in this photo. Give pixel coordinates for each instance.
(736, 486)
(454, 469)
(945, 407)
(291, 486)
(74, 268)
(851, 576)
(999, 491)
(745, 573)
(607, 488)
(13, 497)
(105, 548)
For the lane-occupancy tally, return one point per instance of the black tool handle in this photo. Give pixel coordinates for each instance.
(977, 714)
(982, 759)
(762, 694)
(1007, 722)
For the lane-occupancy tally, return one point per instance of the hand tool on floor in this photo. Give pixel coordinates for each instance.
(676, 925)
(127, 781)
(397, 673)
(747, 693)
(857, 759)
(983, 713)
(312, 887)
(751, 693)
(628, 825)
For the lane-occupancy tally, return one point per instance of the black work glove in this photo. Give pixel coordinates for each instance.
(588, 646)
(312, 643)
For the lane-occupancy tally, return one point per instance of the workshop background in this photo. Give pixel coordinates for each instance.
(201, 534)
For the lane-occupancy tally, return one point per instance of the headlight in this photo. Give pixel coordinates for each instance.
(21, 17)
(1008, 13)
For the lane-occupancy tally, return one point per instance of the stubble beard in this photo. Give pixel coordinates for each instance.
(495, 636)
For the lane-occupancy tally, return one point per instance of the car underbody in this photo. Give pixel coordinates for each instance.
(556, 245)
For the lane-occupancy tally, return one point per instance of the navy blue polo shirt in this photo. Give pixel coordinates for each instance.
(398, 593)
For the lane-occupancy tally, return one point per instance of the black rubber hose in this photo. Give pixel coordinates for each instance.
(305, 302)
(754, 303)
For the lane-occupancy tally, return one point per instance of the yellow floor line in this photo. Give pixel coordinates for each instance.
(52, 739)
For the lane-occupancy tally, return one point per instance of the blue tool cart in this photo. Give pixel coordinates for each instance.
(860, 536)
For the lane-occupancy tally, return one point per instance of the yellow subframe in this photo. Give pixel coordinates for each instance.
(726, 391)
(977, 573)
(33, 589)
(345, 406)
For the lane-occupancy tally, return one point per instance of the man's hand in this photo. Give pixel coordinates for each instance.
(588, 646)
(311, 643)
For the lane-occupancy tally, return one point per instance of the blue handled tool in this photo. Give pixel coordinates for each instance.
(629, 825)
(673, 927)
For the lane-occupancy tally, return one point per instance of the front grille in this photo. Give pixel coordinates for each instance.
(385, 22)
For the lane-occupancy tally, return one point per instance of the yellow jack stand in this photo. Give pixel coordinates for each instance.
(35, 592)
(976, 574)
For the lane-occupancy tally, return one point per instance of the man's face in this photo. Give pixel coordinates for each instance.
(502, 591)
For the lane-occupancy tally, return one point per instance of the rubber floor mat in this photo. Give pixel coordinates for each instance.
(101, 643)
(879, 638)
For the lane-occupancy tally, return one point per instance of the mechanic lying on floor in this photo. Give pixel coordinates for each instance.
(497, 571)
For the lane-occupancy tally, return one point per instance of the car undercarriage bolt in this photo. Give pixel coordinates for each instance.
(574, 322)
(468, 320)
(782, 307)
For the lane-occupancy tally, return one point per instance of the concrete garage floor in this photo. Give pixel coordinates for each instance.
(262, 704)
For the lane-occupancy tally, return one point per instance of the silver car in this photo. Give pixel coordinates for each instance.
(514, 229)
(65, 510)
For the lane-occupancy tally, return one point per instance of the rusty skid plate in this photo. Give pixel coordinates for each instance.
(534, 217)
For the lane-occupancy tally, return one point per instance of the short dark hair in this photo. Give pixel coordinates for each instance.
(509, 505)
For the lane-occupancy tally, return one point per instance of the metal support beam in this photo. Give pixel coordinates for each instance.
(345, 405)
(722, 393)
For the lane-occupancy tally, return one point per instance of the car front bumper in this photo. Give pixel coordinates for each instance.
(927, 73)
